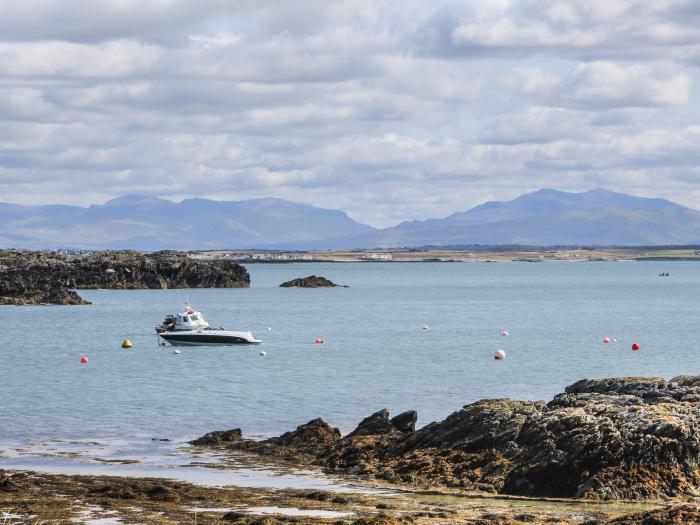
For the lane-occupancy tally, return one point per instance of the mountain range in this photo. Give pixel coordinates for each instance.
(543, 218)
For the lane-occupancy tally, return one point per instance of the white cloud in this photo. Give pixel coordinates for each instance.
(600, 84)
(58, 59)
(391, 110)
(595, 29)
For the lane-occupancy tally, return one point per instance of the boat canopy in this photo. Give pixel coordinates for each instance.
(190, 320)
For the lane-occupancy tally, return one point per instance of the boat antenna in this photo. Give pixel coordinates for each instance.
(180, 299)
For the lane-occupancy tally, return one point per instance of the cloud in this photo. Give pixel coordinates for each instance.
(389, 110)
(601, 85)
(58, 59)
(592, 30)
(86, 21)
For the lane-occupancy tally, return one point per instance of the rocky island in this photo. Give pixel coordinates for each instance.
(312, 281)
(29, 277)
(630, 438)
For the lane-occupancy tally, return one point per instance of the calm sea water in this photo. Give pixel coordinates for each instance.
(376, 353)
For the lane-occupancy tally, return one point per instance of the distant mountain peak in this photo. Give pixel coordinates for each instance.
(135, 199)
(545, 217)
(144, 222)
(549, 217)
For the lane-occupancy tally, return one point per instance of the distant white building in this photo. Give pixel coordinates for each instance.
(376, 256)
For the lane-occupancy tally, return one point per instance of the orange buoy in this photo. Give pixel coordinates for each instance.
(84, 359)
(499, 355)
(635, 346)
(126, 344)
(319, 341)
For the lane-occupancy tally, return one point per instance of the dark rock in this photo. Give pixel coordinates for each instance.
(309, 436)
(218, 437)
(317, 495)
(235, 516)
(298, 445)
(130, 489)
(312, 281)
(117, 491)
(162, 493)
(619, 438)
(377, 423)
(525, 518)
(405, 422)
(12, 482)
(28, 277)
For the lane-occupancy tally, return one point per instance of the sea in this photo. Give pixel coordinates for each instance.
(402, 336)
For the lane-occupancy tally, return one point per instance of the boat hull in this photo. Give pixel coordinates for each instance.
(204, 339)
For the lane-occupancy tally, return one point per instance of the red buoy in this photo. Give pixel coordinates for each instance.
(319, 341)
(635, 346)
(84, 359)
(606, 339)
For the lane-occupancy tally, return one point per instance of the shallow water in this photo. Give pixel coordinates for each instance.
(174, 461)
(376, 354)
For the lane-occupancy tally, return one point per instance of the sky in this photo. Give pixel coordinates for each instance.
(390, 110)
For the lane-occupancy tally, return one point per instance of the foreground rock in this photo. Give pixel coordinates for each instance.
(312, 281)
(27, 497)
(51, 278)
(620, 438)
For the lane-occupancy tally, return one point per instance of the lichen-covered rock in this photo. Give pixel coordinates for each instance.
(312, 281)
(48, 277)
(618, 438)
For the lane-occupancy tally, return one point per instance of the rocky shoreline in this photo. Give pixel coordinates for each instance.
(583, 458)
(635, 438)
(29, 277)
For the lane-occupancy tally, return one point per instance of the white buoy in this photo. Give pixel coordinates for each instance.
(176, 351)
(269, 328)
(263, 353)
(499, 354)
(613, 340)
(505, 333)
(425, 327)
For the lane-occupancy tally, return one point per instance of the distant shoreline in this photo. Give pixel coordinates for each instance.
(438, 255)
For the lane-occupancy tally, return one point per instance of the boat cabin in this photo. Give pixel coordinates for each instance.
(190, 320)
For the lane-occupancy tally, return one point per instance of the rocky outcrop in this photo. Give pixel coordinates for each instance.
(48, 277)
(218, 437)
(618, 438)
(380, 424)
(312, 281)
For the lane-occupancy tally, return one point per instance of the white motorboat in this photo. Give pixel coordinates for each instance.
(189, 328)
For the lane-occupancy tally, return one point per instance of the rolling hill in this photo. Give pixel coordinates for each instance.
(149, 223)
(546, 218)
